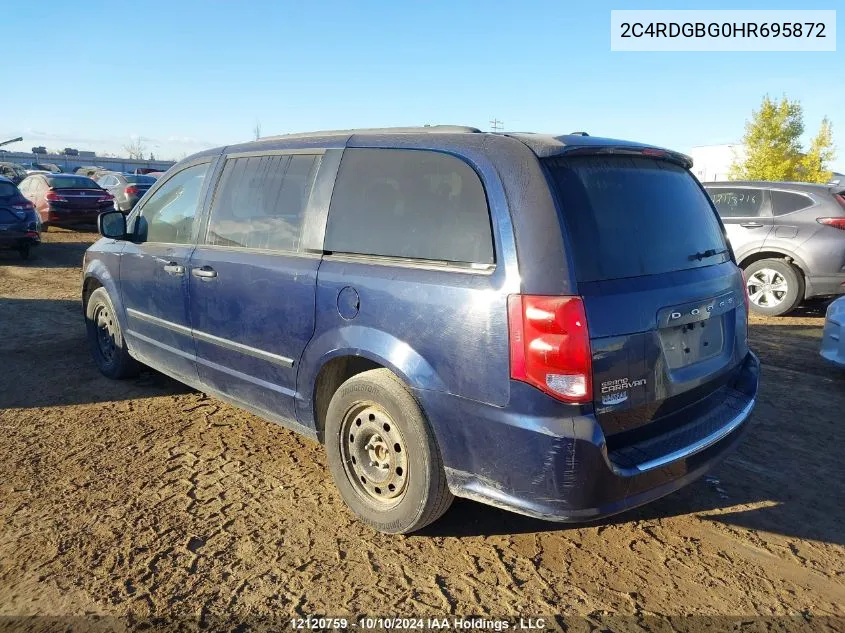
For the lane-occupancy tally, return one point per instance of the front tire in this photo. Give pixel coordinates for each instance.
(383, 455)
(774, 286)
(105, 338)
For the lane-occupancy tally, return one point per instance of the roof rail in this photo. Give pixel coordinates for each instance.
(427, 129)
(578, 134)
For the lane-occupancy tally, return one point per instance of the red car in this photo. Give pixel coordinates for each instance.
(66, 199)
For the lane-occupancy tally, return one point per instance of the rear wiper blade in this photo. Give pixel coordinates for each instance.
(712, 252)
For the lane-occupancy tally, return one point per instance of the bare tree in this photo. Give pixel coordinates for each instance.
(136, 148)
(256, 131)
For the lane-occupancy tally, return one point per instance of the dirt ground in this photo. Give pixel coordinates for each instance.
(146, 498)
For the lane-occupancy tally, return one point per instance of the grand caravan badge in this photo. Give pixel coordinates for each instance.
(616, 391)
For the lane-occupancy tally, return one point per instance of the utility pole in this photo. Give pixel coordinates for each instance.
(256, 131)
(496, 125)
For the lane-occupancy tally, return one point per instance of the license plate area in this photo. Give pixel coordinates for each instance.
(691, 343)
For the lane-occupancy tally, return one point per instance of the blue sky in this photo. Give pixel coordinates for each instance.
(185, 75)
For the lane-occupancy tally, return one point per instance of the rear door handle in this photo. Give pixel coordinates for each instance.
(206, 272)
(751, 225)
(172, 268)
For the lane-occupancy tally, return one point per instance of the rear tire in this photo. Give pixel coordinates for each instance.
(25, 251)
(774, 286)
(383, 455)
(105, 338)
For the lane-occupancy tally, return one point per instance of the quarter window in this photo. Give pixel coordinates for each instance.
(737, 203)
(169, 214)
(784, 202)
(260, 202)
(410, 204)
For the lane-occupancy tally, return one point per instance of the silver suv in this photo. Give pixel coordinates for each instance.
(788, 237)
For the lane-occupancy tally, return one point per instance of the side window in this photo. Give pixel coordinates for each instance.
(409, 203)
(784, 202)
(260, 202)
(168, 215)
(737, 203)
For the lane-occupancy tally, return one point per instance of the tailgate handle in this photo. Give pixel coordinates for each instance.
(172, 268)
(206, 272)
(751, 225)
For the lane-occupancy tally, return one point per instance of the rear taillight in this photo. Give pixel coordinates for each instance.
(837, 223)
(550, 345)
(52, 196)
(106, 196)
(840, 198)
(132, 191)
(746, 299)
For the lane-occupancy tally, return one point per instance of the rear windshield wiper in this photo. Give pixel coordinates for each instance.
(712, 252)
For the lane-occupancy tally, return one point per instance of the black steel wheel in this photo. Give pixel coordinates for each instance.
(383, 455)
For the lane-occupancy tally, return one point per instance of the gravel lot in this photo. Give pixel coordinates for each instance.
(146, 498)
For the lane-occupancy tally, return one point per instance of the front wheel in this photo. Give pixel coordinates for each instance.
(383, 455)
(774, 287)
(105, 339)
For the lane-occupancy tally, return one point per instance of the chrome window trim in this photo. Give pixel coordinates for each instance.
(422, 264)
(277, 359)
(258, 251)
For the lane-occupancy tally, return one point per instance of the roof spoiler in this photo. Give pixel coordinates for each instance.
(631, 150)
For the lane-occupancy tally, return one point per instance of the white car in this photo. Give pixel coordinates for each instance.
(833, 337)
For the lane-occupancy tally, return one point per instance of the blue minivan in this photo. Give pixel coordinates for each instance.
(554, 325)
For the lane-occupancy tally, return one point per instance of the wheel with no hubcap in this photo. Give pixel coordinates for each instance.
(774, 286)
(383, 456)
(105, 338)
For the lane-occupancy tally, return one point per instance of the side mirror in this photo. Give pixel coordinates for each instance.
(112, 224)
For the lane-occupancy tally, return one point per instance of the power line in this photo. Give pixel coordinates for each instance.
(496, 125)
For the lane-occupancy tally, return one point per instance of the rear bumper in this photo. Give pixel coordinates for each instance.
(528, 459)
(55, 215)
(833, 336)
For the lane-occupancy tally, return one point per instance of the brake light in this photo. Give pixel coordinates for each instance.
(550, 345)
(840, 198)
(746, 299)
(837, 223)
(657, 153)
(132, 190)
(52, 196)
(105, 196)
(32, 233)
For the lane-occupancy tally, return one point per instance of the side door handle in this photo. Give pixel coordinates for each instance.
(751, 225)
(206, 272)
(172, 268)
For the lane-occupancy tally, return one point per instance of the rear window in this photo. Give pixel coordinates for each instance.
(412, 204)
(633, 216)
(7, 189)
(784, 202)
(140, 180)
(72, 182)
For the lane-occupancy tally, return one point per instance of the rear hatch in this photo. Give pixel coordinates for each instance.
(72, 193)
(664, 301)
(13, 216)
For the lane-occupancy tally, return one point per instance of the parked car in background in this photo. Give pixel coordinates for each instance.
(126, 189)
(13, 171)
(155, 174)
(19, 224)
(448, 311)
(833, 336)
(789, 238)
(92, 171)
(66, 199)
(51, 167)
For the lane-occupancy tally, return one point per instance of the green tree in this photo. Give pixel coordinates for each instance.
(814, 163)
(773, 149)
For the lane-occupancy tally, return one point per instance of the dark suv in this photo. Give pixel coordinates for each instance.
(789, 238)
(552, 325)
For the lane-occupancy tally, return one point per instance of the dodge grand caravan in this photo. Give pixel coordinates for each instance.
(554, 325)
